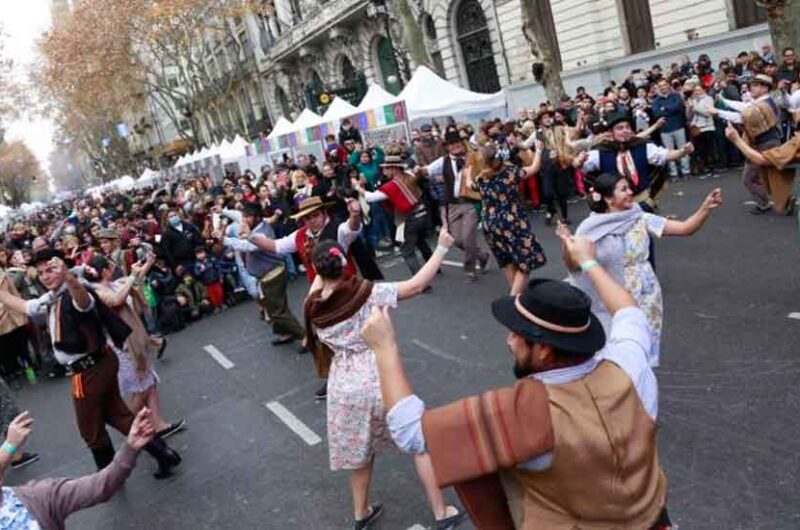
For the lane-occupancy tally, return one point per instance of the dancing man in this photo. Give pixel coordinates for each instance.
(80, 326)
(577, 432)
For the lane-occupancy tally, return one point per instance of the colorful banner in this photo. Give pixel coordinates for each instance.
(292, 139)
(399, 109)
(323, 130)
(371, 122)
(248, 150)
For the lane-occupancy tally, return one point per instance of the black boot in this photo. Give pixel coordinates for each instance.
(166, 457)
(103, 456)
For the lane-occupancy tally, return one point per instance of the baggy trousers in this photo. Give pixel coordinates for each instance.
(462, 222)
(97, 401)
(276, 303)
(415, 233)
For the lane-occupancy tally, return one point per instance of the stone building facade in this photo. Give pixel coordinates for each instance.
(293, 50)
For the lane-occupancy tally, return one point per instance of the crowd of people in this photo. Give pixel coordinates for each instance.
(91, 287)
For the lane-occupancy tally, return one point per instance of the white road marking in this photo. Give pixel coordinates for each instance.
(453, 263)
(418, 527)
(294, 423)
(219, 356)
(444, 355)
(795, 315)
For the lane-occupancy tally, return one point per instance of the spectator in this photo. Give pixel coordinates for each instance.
(179, 240)
(789, 69)
(669, 105)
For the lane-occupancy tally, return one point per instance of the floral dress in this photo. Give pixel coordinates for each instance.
(640, 278)
(357, 427)
(505, 221)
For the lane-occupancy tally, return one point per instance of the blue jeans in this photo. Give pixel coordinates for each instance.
(380, 226)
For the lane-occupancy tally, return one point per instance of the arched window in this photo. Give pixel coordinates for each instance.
(283, 101)
(431, 36)
(387, 66)
(476, 47)
(349, 73)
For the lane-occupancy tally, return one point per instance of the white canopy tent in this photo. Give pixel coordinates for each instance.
(338, 109)
(306, 119)
(428, 96)
(282, 126)
(233, 150)
(376, 96)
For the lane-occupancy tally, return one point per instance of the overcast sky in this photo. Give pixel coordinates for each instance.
(23, 22)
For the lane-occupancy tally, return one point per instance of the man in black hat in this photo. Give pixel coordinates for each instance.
(267, 266)
(458, 203)
(641, 161)
(577, 431)
(80, 326)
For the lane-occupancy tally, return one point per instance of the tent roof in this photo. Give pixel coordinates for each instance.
(427, 95)
(282, 126)
(376, 96)
(306, 119)
(338, 109)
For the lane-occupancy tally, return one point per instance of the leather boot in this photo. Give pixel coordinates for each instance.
(103, 456)
(166, 457)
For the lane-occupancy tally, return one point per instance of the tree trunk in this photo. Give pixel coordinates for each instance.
(413, 37)
(545, 65)
(783, 17)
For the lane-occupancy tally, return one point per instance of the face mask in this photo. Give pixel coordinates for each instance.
(174, 221)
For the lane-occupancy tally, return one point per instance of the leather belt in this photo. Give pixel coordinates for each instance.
(86, 363)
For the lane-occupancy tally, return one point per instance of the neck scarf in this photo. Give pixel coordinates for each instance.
(346, 299)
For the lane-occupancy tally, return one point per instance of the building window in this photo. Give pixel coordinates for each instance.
(545, 13)
(349, 73)
(746, 13)
(476, 47)
(283, 101)
(638, 25)
(431, 41)
(387, 65)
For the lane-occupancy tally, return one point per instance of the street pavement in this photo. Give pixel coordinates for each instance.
(255, 453)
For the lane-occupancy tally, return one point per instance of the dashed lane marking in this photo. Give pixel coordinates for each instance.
(453, 263)
(219, 356)
(418, 527)
(795, 315)
(293, 422)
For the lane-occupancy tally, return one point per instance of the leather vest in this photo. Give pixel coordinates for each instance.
(605, 472)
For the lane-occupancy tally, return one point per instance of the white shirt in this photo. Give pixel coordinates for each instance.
(43, 306)
(656, 156)
(436, 169)
(738, 107)
(627, 347)
(344, 236)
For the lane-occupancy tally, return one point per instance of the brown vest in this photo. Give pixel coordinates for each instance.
(605, 473)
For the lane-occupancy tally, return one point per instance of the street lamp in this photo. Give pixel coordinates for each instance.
(382, 11)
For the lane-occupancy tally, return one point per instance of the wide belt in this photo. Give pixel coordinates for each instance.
(87, 362)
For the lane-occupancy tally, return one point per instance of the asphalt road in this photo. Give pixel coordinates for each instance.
(730, 398)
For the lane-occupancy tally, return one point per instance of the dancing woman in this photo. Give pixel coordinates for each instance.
(335, 311)
(506, 225)
(622, 233)
(138, 382)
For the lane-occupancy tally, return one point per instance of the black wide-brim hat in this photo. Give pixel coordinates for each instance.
(618, 117)
(554, 313)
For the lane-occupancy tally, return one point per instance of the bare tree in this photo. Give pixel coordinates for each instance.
(545, 63)
(783, 17)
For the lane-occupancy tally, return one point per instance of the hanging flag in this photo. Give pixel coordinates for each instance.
(310, 135)
(293, 139)
(363, 124)
(388, 113)
(266, 145)
(399, 111)
(372, 123)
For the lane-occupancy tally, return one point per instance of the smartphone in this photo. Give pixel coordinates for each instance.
(158, 238)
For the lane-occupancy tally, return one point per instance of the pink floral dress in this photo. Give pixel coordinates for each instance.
(357, 427)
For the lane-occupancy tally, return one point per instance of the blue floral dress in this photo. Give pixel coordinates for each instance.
(505, 222)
